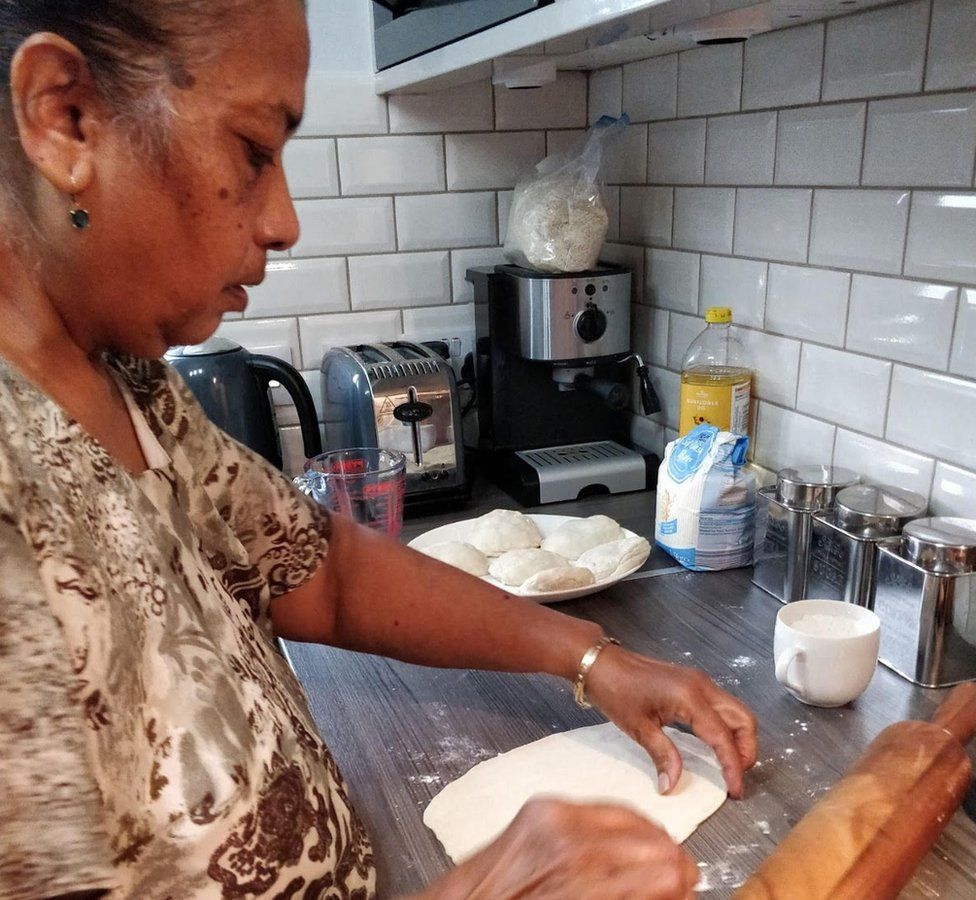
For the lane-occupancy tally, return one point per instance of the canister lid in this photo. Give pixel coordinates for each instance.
(812, 487)
(942, 544)
(877, 510)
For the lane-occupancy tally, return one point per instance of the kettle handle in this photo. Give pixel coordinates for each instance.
(268, 369)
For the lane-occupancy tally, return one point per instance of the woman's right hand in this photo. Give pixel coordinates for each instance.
(554, 850)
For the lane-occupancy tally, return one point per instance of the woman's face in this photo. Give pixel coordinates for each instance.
(172, 243)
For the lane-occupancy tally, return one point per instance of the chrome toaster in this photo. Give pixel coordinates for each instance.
(398, 396)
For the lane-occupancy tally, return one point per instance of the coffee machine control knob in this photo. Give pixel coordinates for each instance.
(590, 324)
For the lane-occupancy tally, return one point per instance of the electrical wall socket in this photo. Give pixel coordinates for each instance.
(459, 343)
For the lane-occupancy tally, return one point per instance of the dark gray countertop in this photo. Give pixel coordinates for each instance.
(400, 733)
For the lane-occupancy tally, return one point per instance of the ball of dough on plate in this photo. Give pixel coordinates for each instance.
(605, 560)
(502, 530)
(561, 579)
(516, 566)
(572, 539)
(460, 555)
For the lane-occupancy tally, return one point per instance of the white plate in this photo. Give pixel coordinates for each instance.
(459, 531)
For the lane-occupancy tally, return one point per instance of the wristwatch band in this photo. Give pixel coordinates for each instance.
(585, 664)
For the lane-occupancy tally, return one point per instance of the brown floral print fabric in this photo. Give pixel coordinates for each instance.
(153, 743)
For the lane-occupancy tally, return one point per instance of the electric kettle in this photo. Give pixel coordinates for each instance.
(232, 385)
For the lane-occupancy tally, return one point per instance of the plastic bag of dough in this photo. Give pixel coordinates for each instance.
(557, 221)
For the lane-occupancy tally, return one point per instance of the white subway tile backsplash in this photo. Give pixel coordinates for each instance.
(605, 94)
(775, 362)
(703, 218)
(504, 211)
(320, 333)
(560, 104)
(859, 229)
(564, 140)
(631, 256)
(667, 386)
(311, 168)
(942, 237)
(492, 160)
(786, 438)
(272, 337)
(468, 107)
(963, 360)
(820, 145)
(285, 411)
(682, 330)
(462, 260)
(741, 149)
(676, 152)
(440, 323)
(952, 46)
(709, 80)
(808, 303)
(660, 336)
(611, 200)
(339, 227)
(437, 221)
(672, 280)
(645, 215)
(341, 103)
(927, 140)
(650, 88)
(881, 463)
(843, 387)
(626, 157)
(877, 52)
(782, 68)
(392, 280)
(772, 223)
(953, 492)
(930, 412)
(293, 287)
(737, 283)
(646, 432)
(391, 164)
(908, 321)
(642, 337)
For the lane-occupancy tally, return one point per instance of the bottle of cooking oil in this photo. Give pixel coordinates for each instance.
(716, 380)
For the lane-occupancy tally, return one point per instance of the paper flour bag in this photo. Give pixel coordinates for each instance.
(706, 500)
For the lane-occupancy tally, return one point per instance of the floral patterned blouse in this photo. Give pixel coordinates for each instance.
(153, 743)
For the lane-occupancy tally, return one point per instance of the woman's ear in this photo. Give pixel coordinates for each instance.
(57, 109)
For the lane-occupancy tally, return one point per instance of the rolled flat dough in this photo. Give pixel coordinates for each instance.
(597, 764)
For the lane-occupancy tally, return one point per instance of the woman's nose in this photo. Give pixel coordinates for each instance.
(278, 227)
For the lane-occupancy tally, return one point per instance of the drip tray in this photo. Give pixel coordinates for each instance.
(566, 472)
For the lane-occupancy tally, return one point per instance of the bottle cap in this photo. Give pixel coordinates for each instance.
(718, 315)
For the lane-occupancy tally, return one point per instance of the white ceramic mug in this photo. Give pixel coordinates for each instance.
(825, 650)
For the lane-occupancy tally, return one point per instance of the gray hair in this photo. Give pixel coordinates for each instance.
(137, 51)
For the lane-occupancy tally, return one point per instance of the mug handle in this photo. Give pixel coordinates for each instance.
(783, 663)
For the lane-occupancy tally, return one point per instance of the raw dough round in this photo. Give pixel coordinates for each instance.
(502, 530)
(561, 579)
(607, 559)
(598, 764)
(574, 538)
(460, 555)
(516, 566)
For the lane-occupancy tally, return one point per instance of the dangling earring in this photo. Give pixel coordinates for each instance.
(80, 218)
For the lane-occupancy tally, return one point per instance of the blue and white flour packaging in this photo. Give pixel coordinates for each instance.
(706, 500)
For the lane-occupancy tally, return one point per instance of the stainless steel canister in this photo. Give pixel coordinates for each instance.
(925, 596)
(784, 525)
(843, 540)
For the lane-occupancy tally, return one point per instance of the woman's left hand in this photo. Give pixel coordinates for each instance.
(642, 695)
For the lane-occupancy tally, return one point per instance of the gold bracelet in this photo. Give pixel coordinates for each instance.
(585, 664)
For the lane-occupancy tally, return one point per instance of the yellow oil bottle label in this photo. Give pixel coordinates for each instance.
(726, 406)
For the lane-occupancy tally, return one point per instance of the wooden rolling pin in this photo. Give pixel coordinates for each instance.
(865, 837)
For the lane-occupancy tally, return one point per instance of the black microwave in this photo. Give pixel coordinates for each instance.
(404, 29)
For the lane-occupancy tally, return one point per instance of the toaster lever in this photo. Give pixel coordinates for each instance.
(413, 412)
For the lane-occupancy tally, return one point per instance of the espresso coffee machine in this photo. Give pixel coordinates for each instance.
(553, 376)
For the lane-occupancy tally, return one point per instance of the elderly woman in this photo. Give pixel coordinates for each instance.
(152, 742)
